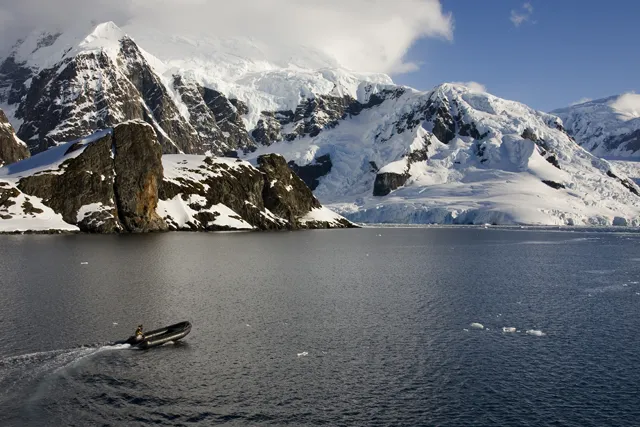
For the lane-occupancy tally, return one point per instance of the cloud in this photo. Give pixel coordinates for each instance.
(473, 86)
(581, 101)
(627, 105)
(523, 15)
(366, 35)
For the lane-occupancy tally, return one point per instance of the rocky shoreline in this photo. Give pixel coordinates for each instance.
(118, 181)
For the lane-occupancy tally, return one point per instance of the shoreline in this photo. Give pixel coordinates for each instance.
(547, 228)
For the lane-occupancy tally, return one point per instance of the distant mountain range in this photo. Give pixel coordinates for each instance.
(606, 127)
(369, 149)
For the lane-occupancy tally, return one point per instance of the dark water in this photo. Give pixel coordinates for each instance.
(363, 327)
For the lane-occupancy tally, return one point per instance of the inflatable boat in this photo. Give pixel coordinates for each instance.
(159, 336)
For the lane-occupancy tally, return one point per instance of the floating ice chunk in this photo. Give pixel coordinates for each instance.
(477, 325)
(303, 354)
(508, 329)
(466, 330)
(536, 333)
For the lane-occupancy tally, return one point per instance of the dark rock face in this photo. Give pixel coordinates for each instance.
(284, 193)
(92, 91)
(87, 179)
(387, 182)
(175, 133)
(270, 197)
(13, 76)
(121, 191)
(627, 183)
(310, 118)
(6, 194)
(138, 168)
(202, 118)
(11, 150)
(314, 115)
(228, 116)
(239, 188)
(217, 119)
(269, 128)
(554, 184)
(630, 141)
(545, 150)
(312, 172)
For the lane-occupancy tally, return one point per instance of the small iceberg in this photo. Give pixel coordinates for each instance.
(477, 325)
(508, 329)
(535, 333)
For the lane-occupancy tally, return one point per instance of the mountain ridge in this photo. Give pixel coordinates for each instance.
(372, 150)
(607, 127)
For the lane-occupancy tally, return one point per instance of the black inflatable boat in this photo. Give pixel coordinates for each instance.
(159, 336)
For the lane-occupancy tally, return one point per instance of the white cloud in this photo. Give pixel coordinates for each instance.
(367, 35)
(523, 15)
(628, 105)
(581, 101)
(473, 86)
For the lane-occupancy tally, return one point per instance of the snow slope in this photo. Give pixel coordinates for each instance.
(267, 78)
(606, 127)
(494, 179)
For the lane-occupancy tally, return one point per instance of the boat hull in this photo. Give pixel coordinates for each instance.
(161, 336)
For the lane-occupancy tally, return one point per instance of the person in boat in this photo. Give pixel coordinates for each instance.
(139, 334)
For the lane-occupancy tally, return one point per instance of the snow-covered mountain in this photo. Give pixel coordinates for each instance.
(117, 180)
(606, 127)
(372, 150)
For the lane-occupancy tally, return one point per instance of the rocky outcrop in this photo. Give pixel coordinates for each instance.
(545, 150)
(387, 182)
(284, 193)
(117, 181)
(198, 193)
(11, 148)
(139, 172)
(212, 194)
(92, 90)
(217, 119)
(312, 172)
(314, 115)
(87, 180)
(111, 186)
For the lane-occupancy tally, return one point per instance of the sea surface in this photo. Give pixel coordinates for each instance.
(369, 327)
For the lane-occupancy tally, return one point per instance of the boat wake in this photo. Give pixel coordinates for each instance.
(16, 372)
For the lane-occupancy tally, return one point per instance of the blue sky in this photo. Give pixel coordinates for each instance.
(563, 51)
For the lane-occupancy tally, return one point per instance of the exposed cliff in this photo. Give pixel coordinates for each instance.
(117, 181)
(204, 193)
(107, 183)
(12, 149)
